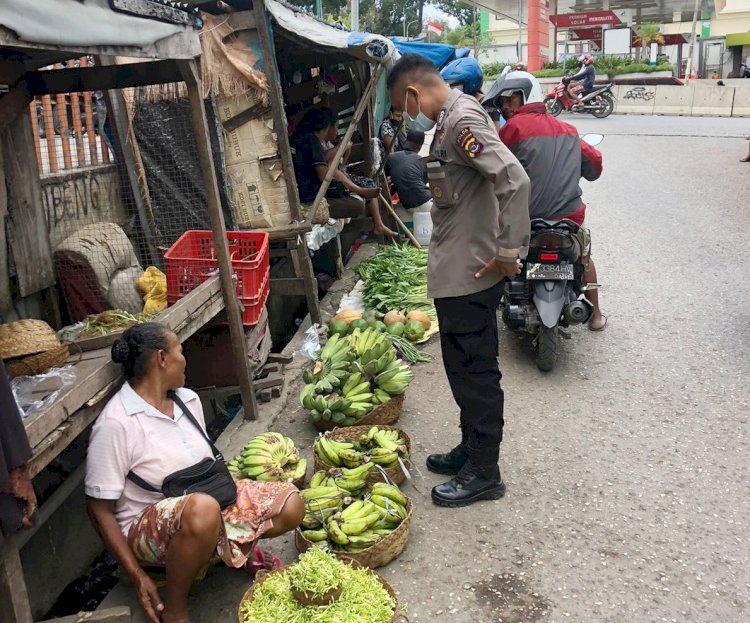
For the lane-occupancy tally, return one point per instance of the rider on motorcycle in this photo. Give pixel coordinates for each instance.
(465, 74)
(587, 75)
(554, 158)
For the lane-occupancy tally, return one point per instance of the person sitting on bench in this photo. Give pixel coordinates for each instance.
(346, 199)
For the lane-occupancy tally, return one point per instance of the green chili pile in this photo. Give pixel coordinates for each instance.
(396, 279)
(363, 598)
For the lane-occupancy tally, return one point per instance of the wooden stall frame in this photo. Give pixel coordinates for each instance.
(299, 255)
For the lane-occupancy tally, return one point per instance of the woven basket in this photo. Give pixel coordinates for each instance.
(384, 414)
(394, 473)
(26, 337)
(248, 596)
(41, 362)
(384, 551)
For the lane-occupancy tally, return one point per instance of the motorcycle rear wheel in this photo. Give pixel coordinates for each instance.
(546, 348)
(605, 110)
(554, 107)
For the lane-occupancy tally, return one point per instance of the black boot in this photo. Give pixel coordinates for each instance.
(471, 484)
(452, 462)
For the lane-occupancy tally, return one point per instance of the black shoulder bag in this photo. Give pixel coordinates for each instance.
(209, 476)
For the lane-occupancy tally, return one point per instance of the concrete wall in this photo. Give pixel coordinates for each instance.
(700, 99)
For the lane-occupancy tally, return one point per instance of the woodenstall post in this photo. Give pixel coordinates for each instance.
(13, 595)
(344, 144)
(300, 256)
(191, 75)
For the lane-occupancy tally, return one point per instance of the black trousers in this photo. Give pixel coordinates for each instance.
(469, 341)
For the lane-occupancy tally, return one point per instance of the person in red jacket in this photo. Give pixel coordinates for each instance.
(555, 159)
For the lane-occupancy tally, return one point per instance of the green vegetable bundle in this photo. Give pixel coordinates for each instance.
(363, 598)
(396, 278)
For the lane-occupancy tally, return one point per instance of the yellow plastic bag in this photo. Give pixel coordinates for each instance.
(152, 284)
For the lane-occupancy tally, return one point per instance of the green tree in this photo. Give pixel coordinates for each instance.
(646, 35)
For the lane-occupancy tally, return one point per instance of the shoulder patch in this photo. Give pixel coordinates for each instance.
(469, 143)
(441, 118)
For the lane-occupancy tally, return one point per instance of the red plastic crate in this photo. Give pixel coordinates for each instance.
(253, 307)
(192, 260)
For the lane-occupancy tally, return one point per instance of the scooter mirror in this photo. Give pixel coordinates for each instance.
(593, 139)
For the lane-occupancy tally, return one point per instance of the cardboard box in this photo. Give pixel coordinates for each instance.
(254, 140)
(259, 194)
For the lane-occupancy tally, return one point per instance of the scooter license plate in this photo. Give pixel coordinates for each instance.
(549, 271)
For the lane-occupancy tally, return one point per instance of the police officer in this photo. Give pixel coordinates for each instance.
(480, 230)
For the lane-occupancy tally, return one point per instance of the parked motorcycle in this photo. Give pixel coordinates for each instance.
(548, 293)
(599, 102)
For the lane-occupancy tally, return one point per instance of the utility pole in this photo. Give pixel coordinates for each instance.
(520, 31)
(691, 47)
(554, 40)
(319, 9)
(355, 15)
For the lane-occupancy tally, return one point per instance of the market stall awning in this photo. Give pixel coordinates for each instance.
(83, 25)
(439, 53)
(737, 39)
(318, 34)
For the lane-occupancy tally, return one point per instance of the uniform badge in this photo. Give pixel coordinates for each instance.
(437, 192)
(469, 143)
(441, 135)
(441, 117)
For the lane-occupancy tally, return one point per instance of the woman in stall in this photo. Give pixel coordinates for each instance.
(147, 433)
(346, 198)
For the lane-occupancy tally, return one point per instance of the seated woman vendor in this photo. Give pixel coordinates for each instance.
(346, 199)
(143, 431)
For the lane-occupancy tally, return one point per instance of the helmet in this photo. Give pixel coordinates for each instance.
(586, 59)
(466, 72)
(513, 82)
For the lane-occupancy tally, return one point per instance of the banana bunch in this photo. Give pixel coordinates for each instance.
(271, 457)
(374, 351)
(320, 504)
(394, 378)
(339, 453)
(382, 447)
(360, 523)
(332, 368)
(351, 480)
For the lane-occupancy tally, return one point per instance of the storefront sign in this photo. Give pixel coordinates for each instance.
(592, 18)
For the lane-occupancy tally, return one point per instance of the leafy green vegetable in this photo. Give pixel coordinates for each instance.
(363, 598)
(396, 278)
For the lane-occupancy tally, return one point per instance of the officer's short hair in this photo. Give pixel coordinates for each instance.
(415, 67)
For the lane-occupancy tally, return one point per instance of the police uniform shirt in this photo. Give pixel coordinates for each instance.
(481, 200)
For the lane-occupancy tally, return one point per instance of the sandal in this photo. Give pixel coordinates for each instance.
(263, 561)
(747, 159)
(604, 326)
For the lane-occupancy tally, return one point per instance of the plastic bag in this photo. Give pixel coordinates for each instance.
(353, 300)
(153, 286)
(311, 343)
(34, 393)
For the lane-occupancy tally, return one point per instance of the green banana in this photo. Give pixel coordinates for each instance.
(315, 536)
(360, 524)
(317, 479)
(335, 533)
(389, 491)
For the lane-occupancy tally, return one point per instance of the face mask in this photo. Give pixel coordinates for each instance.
(422, 122)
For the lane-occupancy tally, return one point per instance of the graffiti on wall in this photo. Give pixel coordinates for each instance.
(75, 199)
(639, 93)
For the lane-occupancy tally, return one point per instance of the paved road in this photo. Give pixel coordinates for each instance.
(627, 467)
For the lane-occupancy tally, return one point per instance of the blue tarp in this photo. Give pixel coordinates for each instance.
(439, 53)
